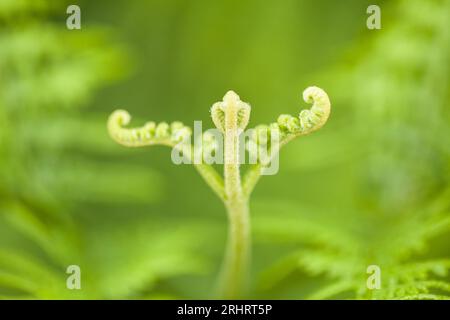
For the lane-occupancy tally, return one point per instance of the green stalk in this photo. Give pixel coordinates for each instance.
(235, 268)
(237, 256)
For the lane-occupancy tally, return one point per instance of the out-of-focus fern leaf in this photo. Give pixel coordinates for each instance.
(53, 168)
(332, 249)
(390, 164)
(51, 157)
(22, 275)
(159, 251)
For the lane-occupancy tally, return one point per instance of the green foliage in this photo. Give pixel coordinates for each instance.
(51, 162)
(400, 193)
(371, 188)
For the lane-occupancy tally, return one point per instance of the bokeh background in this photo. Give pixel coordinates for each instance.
(370, 188)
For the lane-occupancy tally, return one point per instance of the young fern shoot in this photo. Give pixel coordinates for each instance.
(231, 117)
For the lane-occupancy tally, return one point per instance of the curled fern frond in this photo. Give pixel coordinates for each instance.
(147, 135)
(290, 127)
(230, 101)
(174, 135)
(308, 120)
(286, 129)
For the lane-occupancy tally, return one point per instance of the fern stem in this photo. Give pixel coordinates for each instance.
(237, 256)
(236, 261)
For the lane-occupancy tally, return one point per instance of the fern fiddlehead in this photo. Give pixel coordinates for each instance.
(290, 127)
(231, 117)
(147, 135)
(162, 134)
(308, 120)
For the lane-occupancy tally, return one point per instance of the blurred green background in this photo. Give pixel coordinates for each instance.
(370, 188)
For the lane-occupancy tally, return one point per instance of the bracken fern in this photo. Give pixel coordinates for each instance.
(230, 116)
